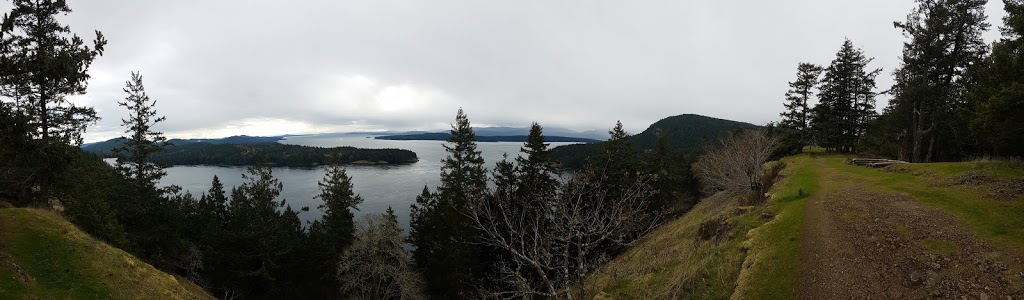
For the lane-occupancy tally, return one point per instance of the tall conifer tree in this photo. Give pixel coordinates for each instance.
(846, 100)
(796, 115)
(333, 233)
(536, 172)
(42, 63)
(440, 228)
(998, 98)
(944, 44)
(45, 63)
(142, 140)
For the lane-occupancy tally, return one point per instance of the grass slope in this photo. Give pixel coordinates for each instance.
(42, 256)
(674, 262)
(760, 259)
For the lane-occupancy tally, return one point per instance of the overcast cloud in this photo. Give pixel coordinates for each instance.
(221, 68)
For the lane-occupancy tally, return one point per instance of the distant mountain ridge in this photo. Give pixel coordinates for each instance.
(443, 136)
(685, 133)
(503, 134)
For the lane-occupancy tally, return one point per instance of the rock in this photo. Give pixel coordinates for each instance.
(914, 277)
(932, 279)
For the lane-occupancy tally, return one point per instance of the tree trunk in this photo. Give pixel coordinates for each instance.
(915, 153)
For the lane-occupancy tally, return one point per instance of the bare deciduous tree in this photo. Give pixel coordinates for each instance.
(737, 165)
(375, 266)
(548, 250)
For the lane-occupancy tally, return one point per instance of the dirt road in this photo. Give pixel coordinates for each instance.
(864, 244)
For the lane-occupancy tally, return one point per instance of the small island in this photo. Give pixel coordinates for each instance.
(189, 153)
(276, 154)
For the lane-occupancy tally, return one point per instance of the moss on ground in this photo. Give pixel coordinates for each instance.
(42, 256)
(772, 266)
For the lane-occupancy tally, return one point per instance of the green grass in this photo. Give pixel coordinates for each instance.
(42, 256)
(771, 268)
(938, 246)
(1000, 222)
(670, 262)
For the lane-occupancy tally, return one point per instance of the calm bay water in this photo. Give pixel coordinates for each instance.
(380, 186)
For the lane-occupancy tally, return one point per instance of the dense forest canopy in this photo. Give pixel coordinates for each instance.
(277, 155)
(685, 134)
(246, 150)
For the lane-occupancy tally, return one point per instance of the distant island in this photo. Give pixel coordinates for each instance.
(246, 150)
(104, 148)
(443, 136)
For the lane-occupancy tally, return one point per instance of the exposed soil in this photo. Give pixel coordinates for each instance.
(998, 188)
(6, 259)
(859, 244)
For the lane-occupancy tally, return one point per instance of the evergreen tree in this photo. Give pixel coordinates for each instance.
(617, 159)
(332, 234)
(506, 181)
(45, 63)
(209, 233)
(945, 44)
(798, 97)
(998, 98)
(264, 241)
(41, 64)
(142, 141)
(440, 229)
(536, 173)
(846, 100)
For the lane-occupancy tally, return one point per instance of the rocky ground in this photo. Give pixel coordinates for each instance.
(860, 244)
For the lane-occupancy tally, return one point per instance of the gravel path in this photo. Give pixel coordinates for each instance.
(859, 244)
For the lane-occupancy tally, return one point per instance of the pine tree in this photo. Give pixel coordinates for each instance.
(41, 64)
(945, 44)
(45, 63)
(798, 97)
(998, 98)
(440, 229)
(536, 173)
(617, 159)
(263, 239)
(846, 100)
(333, 233)
(142, 141)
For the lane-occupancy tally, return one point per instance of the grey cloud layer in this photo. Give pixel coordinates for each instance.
(382, 64)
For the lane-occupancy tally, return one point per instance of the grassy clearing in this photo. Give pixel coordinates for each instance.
(1000, 222)
(772, 264)
(42, 256)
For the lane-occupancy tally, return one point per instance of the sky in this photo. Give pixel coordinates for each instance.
(221, 68)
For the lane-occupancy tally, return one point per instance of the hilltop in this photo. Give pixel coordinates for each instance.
(43, 256)
(684, 133)
(909, 231)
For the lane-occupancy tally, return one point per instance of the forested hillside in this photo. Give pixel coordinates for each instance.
(106, 148)
(277, 155)
(683, 134)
